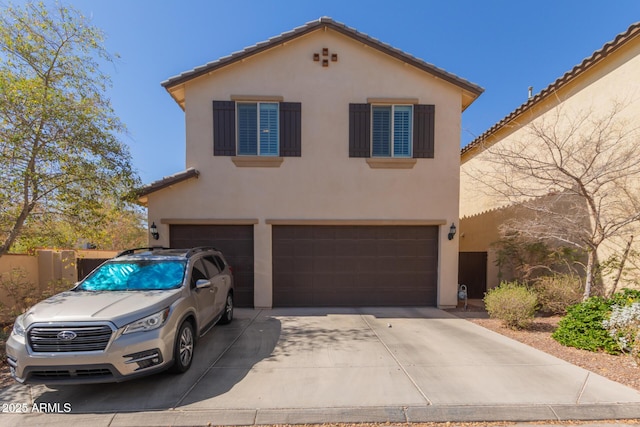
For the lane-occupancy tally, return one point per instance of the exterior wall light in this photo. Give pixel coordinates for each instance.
(452, 231)
(154, 231)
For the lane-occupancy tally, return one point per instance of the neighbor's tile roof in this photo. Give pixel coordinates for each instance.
(599, 55)
(324, 22)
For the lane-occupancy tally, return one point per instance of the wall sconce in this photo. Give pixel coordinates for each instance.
(452, 231)
(154, 231)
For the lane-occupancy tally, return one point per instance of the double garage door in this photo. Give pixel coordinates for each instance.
(317, 265)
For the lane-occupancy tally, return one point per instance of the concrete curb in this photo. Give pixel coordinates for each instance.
(384, 414)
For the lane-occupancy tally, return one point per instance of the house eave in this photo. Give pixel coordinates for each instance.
(175, 85)
(143, 192)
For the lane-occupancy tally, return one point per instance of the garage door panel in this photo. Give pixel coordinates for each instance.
(284, 247)
(369, 264)
(324, 246)
(303, 248)
(283, 264)
(355, 265)
(369, 248)
(235, 241)
(303, 265)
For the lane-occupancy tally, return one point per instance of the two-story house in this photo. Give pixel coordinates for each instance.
(325, 164)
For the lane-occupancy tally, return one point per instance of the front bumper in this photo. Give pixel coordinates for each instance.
(125, 357)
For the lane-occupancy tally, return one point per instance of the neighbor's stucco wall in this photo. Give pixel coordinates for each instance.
(615, 80)
(324, 183)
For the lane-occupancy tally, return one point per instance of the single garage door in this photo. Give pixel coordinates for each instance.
(235, 242)
(354, 265)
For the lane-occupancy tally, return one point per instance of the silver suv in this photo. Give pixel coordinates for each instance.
(138, 313)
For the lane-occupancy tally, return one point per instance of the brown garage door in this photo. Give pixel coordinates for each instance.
(235, 242)
(354, 265)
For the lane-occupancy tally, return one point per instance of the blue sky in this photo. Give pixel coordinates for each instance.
(503, 46)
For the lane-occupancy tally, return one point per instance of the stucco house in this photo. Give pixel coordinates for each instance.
(609, 77)
(325, 164)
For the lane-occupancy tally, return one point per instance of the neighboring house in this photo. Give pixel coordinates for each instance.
(611, 75)
(325, 164)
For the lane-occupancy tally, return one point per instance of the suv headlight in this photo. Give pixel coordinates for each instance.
(148, 323)
(18, 326)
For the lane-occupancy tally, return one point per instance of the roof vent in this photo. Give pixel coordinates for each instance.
(530, 92)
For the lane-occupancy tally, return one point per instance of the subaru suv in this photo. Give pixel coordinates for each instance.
(138, 313)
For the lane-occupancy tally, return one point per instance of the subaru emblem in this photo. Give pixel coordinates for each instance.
(67, 335)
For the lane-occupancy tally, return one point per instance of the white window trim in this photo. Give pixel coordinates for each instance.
(391, 150)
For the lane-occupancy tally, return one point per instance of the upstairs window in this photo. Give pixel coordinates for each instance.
(258, 128)
(261, 128)
(391, 130)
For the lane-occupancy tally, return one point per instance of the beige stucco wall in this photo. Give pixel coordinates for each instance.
(324, 183)
(614, 80)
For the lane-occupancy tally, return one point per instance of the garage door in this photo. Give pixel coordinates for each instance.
(235, 242)
(354, 265)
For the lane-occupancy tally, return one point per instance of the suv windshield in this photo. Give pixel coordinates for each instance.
(141, 275)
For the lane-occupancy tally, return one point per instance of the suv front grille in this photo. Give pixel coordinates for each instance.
(78, 338)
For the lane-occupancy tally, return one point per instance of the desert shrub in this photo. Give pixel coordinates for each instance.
(22, 293)
(558, 292)
(583, 328)
(625, 297)
(512, 303)
(623, 326)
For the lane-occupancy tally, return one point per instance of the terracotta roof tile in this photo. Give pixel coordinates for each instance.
(166, 182)
(323, 22)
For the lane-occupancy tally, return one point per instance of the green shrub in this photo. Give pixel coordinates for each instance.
(625, 297)
(583, 328)
(512, 303)
(558, 292)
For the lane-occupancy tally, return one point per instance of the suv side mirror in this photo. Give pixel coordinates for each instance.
(202, 283)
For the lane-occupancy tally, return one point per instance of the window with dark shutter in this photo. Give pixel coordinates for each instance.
(290, 129)
(287, 129)
(423, 131)
(359, 130)
(224, 128)
(422, 128)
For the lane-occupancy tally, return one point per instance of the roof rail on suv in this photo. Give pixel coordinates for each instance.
(197, 249)
(134, 250)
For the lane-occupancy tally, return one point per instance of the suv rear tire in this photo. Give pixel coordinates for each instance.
(227, 316)
(183, 348)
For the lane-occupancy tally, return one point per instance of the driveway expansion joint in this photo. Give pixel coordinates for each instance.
(395, 358)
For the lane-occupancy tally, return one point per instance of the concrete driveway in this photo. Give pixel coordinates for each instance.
(341, 365)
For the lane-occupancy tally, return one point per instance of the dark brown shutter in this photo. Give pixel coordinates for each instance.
(359, 130)
(290, 129)
(423, 131)
(224, 128)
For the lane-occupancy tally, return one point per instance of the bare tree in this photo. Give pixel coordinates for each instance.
(576, 174)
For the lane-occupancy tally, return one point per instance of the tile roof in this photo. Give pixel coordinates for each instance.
(324, 22)
(599, 55)
(165, 182)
